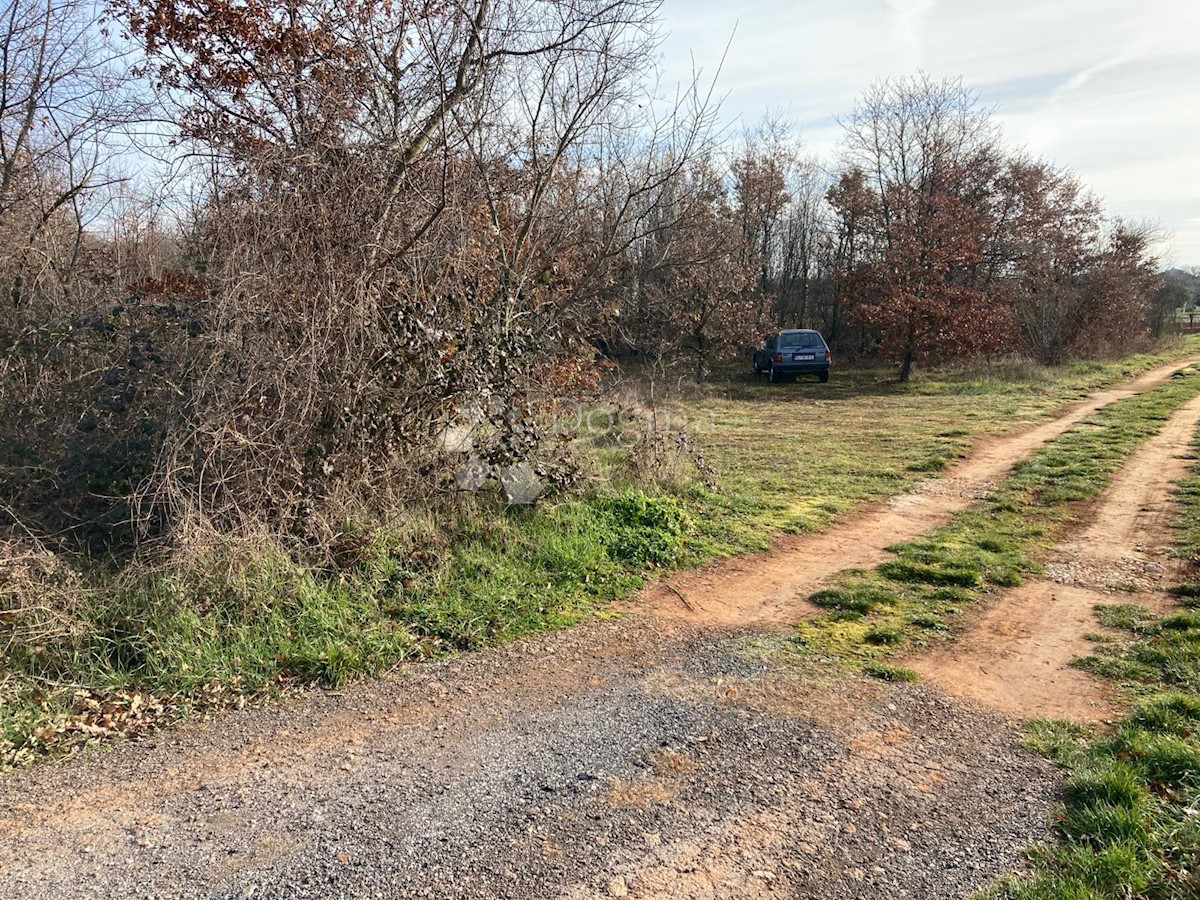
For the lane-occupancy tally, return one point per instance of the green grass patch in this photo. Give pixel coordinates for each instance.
(1061, 740)
(1125, 616)
(884, 635)
(248, 620)
(928, 621)
(887, 672)
(1130, 825)
(224, 631)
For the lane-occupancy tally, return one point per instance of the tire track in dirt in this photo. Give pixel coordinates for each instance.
(773, 587)
(1015, 658)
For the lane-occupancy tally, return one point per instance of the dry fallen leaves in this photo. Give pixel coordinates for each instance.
(100, 716)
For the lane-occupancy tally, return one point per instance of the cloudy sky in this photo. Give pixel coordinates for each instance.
(1110, 88)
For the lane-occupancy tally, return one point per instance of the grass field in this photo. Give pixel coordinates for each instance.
(795, 456)
(788, 457)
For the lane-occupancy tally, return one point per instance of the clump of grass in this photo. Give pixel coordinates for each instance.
(888, 672)
(1125, 616)
(1108, 782)
(929, 464)
(884, 635)
(642, 530)
(1168, 713)
(1061, 740)
(1125, 671)
(928, 621)
(1182, 621)
(1188, 590)
(859, 597)
(918, 572)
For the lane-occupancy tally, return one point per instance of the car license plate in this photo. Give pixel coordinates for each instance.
(804, 357)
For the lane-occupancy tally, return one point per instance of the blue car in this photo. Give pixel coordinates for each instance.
(786, 354)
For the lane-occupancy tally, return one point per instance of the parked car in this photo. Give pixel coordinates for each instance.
(786, 354)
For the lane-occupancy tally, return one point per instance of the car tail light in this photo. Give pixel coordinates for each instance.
(778, 357)
(827, 356)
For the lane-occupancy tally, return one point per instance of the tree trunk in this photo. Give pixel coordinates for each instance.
(910, 352)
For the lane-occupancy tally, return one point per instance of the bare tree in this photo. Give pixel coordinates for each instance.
(804, 251)
(415, 213)
(64, 96)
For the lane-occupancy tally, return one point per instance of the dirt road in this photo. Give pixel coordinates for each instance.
(1016, 657)
(773, 587)
(650, 756)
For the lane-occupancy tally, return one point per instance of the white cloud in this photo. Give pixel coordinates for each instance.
(908, 19)
(1109, 88)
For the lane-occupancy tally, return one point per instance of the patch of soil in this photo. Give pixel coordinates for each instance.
(1016, 657)
(773, 587)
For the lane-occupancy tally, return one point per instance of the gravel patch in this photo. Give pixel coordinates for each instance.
(1123, 575)
(632, 758)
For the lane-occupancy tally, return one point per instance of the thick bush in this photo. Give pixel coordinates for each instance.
(649, 531)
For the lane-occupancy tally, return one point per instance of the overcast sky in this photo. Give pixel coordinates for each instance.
(1110, 88)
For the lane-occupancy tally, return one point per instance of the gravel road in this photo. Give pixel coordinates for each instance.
(636, 757)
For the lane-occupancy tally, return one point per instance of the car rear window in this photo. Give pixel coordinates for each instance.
(801, 339)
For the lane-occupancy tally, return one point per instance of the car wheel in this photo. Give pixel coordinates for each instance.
(824, 376)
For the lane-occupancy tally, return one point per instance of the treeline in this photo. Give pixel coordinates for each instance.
(399, 217)
(927, 239)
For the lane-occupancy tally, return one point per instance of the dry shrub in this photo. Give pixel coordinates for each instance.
(390, 245)
(40, 598)
(663, 439)
(384, 246)
(669, 456)
(93, 394)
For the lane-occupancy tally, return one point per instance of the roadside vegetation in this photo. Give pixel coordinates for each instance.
(283, 415)
(1131, 820)
(93, 655)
